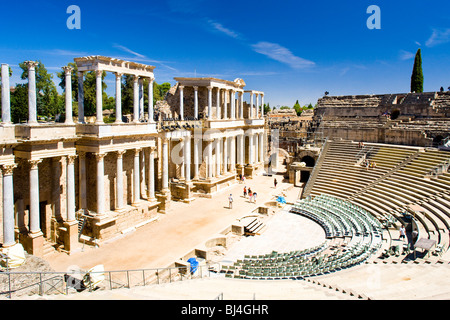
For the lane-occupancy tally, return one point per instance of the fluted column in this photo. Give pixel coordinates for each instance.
(251, 152)
(118, 97)
(209, 102)
(71, 188)
(225, 155)
(241, 101)
(261, 147)
(195, 102)
(8, 204)
(255, 137)
(181, 102)
(251, 105)
(209, 162)
(136, 99)
(119, 179)
(68, 94)
(82, 179)
(6, 101)
(225, 104)
(187, 157)
(32, 105)
(196, 158)
(181, 144)
(80, 97)
(151, 175)
(100, 183)
(218, 109)
(151, 112)
(262, 105)
(35, 226)
(165, 169)
(233, 104)
(257, 105)
(232, 153)
(99, 96)
(241, 150)
(136, 177)
(218, 156)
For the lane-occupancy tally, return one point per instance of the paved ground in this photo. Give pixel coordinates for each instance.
(184, 227)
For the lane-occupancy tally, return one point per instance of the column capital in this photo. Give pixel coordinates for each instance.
(81, 154)
(7, 169)
(181, 87)
(137, 151)
(67, 70)
(195, 88)
(211, 87)
(135, 78)
(98, 73)
(120, 153)
(150, 79)
(31, 64)
(34, 163)
(71, 159)
(152, 149)
(99, 156)
(118, 75)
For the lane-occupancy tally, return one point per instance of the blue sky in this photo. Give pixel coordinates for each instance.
(289, 49)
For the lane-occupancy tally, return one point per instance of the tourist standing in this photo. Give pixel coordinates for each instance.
(275, 182)
(230, 201)
(245, 192)
(254, 197)
(250, 194)
(402, 233)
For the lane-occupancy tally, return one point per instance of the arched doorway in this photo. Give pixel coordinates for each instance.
(309, 161)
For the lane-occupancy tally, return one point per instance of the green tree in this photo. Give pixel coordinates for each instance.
(19, 103)
(417, 74)
(266, 108)
(48, 102)
(298, 108)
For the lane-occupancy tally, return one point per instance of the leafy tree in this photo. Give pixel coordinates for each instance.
(266, 108)
(417, 74)
(298, 108)
(284, 107)
(19, 103)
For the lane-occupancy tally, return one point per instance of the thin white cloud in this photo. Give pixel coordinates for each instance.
(219, 27)
(406, 55)
(281, 54)
(123, 48)
(439, 36)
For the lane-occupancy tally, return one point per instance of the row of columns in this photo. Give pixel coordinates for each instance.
(138, 97)
(137, 171)
(229, 98)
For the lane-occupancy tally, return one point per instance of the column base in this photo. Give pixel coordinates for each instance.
(35, 244)
(164, 198)
(71, 236)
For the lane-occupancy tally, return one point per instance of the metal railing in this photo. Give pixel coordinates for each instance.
(16, 284)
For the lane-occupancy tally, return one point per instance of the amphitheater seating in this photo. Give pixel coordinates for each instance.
(399, 181)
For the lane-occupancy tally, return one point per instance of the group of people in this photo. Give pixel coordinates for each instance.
(251, 194)
(370, 164)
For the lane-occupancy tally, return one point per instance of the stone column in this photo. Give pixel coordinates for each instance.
(181, 144)
(225, 104)
(165, 169)
(257, 105)
(181, 102)
(136, 99)
(82, 179)
(141, 99)
(151, 113)
(100, 183)
(209, 163)
(119, 180)
(71, 188)
(136, 177)
(251, 105)
(251, 152)
(262, 105)
(187, 157)
(218, 109)
(68, 78)
(8, 204)
(241, 101)
(233, 104)
(218, 156)
(99, 96)
(6, 101)
(261, 147)
(225, 155)
(32, 105)
(209, 102)
(232, 153)
(255, 137)
(151, 175)
(118, 97)
(196, 158)
(34, 197)
(195, 102)
(80, 97)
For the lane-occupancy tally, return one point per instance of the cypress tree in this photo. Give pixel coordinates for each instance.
(417, 74)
